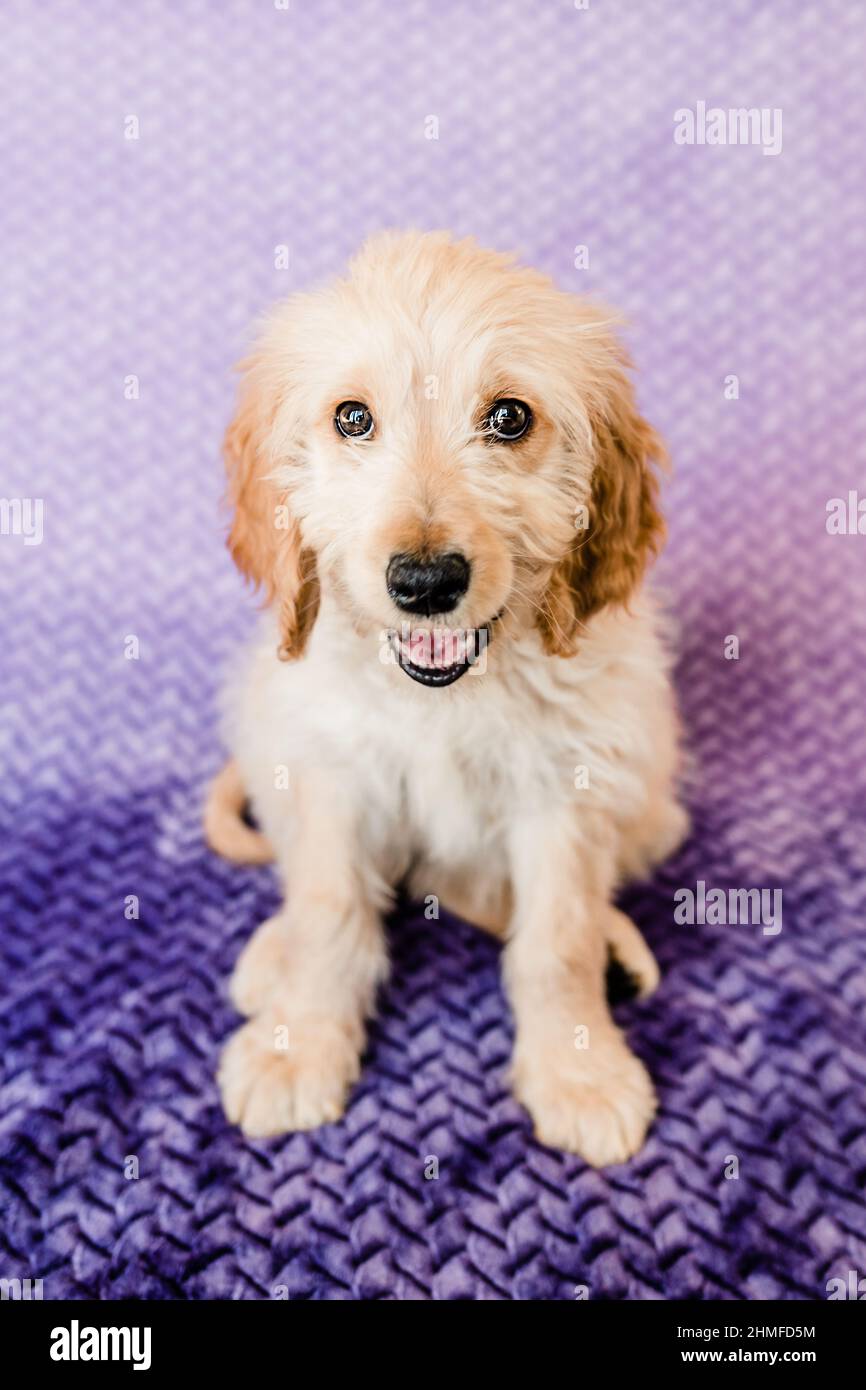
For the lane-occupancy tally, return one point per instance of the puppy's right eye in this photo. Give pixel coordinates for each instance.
(354, 420)
(508, 419)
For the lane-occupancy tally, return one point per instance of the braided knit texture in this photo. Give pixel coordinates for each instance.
(304, 127)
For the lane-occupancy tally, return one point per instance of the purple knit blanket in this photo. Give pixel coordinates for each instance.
(168, 171)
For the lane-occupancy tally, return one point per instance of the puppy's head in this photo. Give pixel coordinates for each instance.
(451, 444)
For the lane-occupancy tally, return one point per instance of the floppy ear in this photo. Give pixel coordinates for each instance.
(265, 539)
(624, 526)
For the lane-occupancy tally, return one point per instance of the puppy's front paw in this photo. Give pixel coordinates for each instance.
(260, 967)
(596, 1101)
(278, 1074)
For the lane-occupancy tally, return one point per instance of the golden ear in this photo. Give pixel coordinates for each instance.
(624, 526)
(265, 540)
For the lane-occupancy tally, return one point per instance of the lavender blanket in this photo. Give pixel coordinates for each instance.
(168, 170)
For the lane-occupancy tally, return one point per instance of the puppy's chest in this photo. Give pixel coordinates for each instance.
(461, 780)
(438, 772)
(450, 799)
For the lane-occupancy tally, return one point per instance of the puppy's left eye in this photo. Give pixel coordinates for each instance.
(354, 419)
(508, 419)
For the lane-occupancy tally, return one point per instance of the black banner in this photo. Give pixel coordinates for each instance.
(159, 1338)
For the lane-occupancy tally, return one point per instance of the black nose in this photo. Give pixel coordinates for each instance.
(435, 585)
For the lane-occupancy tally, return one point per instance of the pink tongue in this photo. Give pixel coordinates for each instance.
(437, 649)
(445, 649)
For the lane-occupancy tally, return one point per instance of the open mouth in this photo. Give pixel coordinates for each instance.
(440, 655)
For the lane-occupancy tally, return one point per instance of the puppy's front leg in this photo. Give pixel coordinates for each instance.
(309, 976)
(572, 1068)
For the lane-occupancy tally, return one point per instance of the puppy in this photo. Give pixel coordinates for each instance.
(439, 477)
